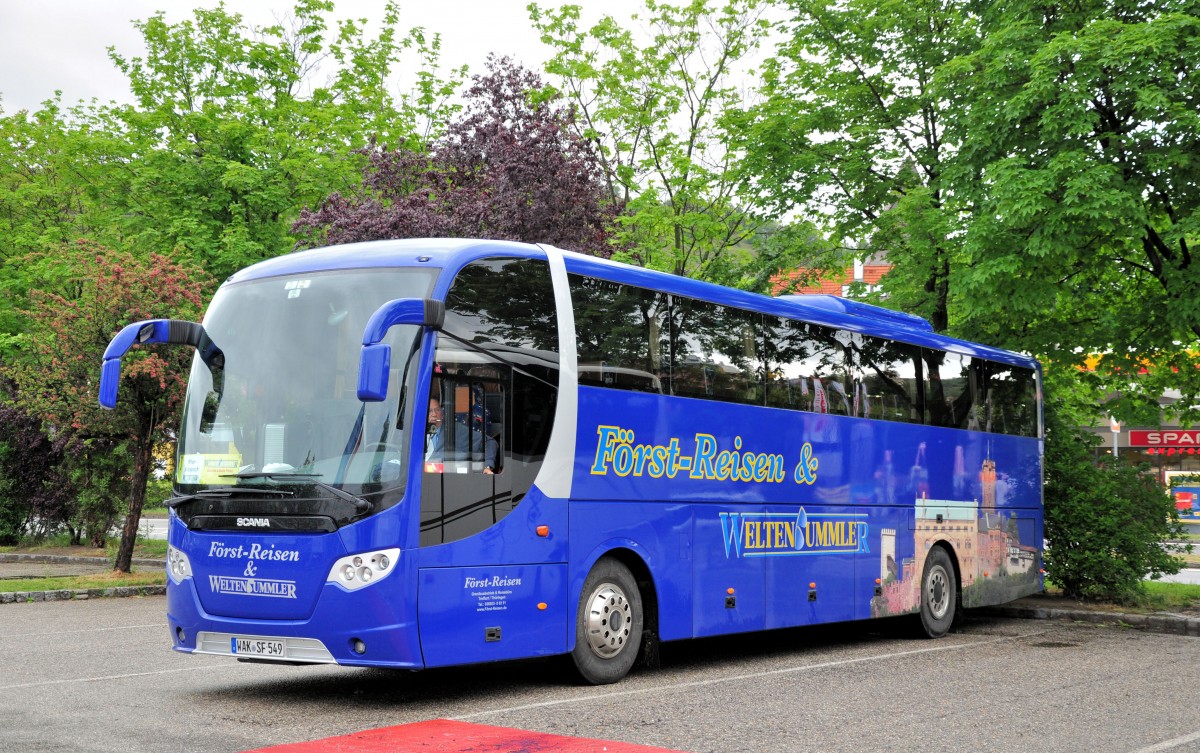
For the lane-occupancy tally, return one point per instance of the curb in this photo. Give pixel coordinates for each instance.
(1160, 622)
(80, 594)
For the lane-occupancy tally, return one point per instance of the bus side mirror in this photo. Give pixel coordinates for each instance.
(142, 333)
(376, 359)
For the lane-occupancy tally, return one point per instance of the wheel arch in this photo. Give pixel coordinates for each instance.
(952, 553)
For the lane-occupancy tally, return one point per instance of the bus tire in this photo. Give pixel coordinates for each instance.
(608, 624)
(939, 594)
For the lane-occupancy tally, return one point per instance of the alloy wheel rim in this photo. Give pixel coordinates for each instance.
(937, 592)
(608, 620)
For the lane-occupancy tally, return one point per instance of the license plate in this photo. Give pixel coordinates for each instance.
(256, 647)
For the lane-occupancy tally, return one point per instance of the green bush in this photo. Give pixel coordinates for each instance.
(157, 493)
(1106, 523)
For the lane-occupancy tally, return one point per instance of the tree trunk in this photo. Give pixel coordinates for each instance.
(142, 455)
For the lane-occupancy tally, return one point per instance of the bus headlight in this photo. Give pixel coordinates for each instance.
(178, 566)
(358, 570)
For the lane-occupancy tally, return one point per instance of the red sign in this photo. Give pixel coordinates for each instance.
(1164, 438)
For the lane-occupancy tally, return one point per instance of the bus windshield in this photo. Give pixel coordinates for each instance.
(282, 399)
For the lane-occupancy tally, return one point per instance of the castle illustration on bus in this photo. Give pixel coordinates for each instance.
(422, 453)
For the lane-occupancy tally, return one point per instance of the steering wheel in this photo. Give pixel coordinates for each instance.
(383, 446)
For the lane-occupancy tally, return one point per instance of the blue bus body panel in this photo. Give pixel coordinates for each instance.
(385, 619)
(462, 601)
(273, 577)
(492, 612)
(512, 541)
(656, 532)
(808, 518)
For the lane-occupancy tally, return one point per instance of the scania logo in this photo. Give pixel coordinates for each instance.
(254, 522)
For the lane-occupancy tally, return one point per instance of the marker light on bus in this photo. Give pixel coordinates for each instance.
(178, 566)
(359, 570)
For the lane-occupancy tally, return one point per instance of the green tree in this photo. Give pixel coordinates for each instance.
(45, 174)
(56, 377)
(654, 104)
(235, 128)
(850, 134)
(1079, 136)
(1029, 169)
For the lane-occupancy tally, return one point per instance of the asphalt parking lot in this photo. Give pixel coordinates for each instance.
(99, 676)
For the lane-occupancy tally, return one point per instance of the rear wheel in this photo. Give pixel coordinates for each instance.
(608, 624)
(939, 594)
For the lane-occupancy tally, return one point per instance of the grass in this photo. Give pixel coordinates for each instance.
(154, 577)
(61, 545)
(1157, 597)
(1172, 596)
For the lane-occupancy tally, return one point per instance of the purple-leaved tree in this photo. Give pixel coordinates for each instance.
(511, 167)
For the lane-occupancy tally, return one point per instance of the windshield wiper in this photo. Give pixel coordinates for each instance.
(360, 505)
(228, 491)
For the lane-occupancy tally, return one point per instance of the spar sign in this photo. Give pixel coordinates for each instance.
(1164, 438)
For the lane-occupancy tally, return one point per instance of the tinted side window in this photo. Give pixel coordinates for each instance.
(808, 367)
(620, 333)
(952, 389)
(508, 302)
(713, 352)
(964, 392)
(891, 385)
(1011, 400)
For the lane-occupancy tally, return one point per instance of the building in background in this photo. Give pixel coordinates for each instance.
(868, 272)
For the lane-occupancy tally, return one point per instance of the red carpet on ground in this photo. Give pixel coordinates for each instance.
(444, 736)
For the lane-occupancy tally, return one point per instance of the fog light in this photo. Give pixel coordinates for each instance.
(358, 646)
(179, 635)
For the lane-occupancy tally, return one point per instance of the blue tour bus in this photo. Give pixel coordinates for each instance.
(622, 456)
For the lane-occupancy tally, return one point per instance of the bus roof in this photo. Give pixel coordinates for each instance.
(454, 253)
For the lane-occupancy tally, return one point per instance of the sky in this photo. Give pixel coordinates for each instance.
(62, 44)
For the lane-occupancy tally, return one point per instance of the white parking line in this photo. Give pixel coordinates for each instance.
(1169, 744)
(4, 636)
(742, 678)
(45, 683)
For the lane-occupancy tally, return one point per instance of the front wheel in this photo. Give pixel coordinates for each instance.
(939, 594)
(608, 624)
